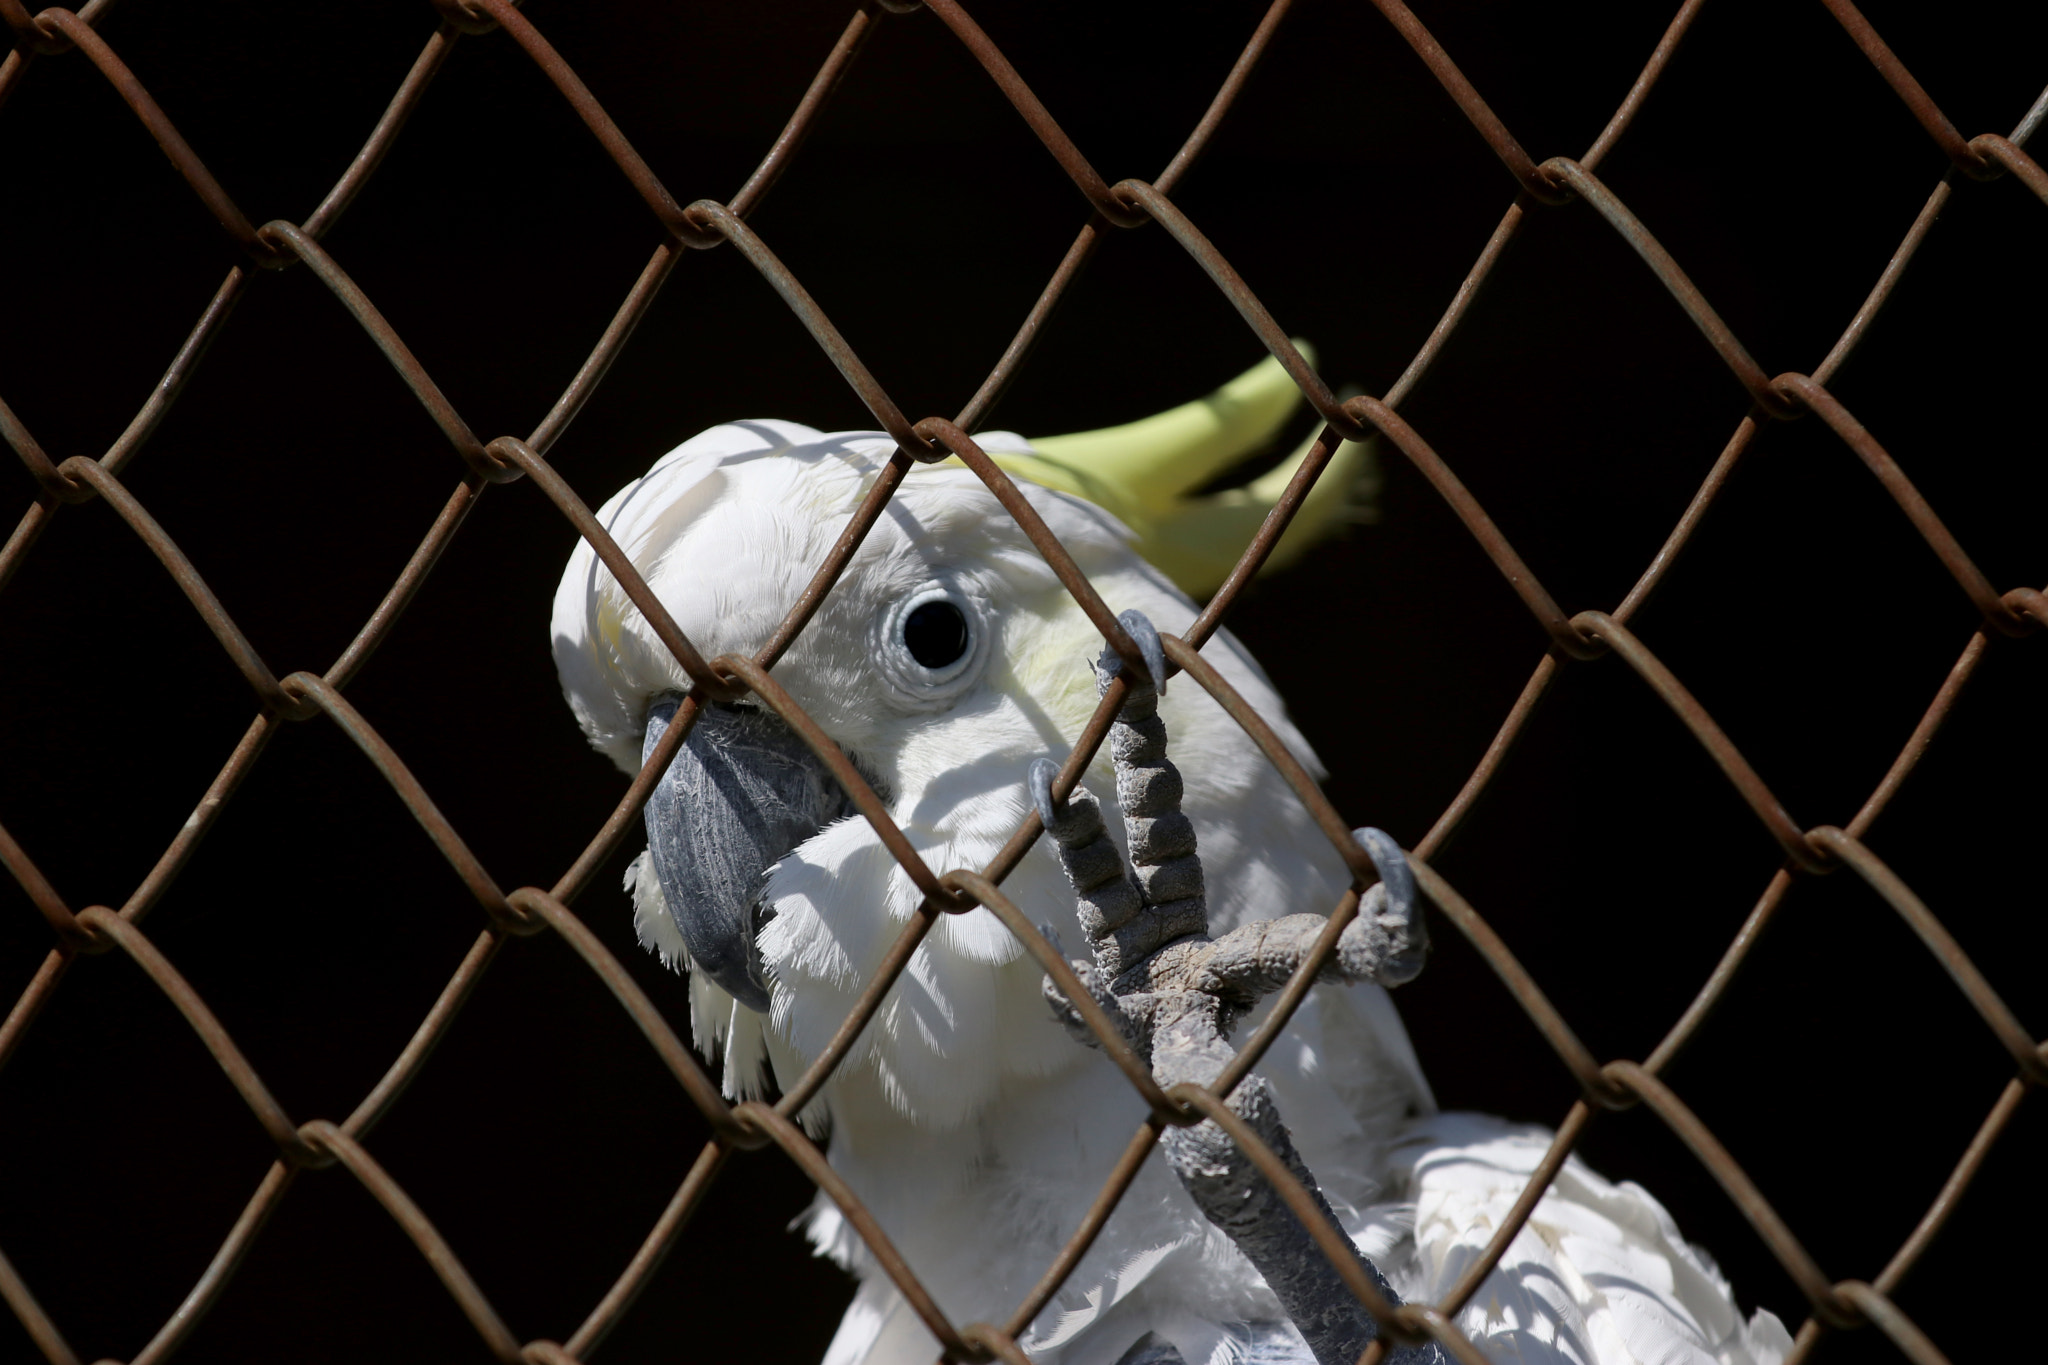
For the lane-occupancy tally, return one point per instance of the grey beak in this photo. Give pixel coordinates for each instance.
(742, 792)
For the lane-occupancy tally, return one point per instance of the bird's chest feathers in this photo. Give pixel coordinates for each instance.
(968, 1010)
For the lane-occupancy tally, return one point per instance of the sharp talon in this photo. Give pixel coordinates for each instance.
(1146, 636)
(1052, 936)
(1039, 784)
(1395, 874)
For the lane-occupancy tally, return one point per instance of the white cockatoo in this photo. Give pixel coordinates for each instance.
(944, 662)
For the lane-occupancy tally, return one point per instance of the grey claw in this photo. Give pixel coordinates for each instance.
(1039, 784)
(1052, 936)
(1146, 636)
(1395, 874)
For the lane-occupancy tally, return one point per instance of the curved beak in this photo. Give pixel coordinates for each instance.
(742, 792)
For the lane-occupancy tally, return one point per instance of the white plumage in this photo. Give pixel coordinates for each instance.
(974, 1127)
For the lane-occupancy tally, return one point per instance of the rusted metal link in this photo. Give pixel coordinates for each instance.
(1563, 632)
(1446, 827)
(872, 504)
(971, 416)
(1329, 1240)
(187, 163)
(1225, 277)
(798, 126)
(2031, 601)
(318, 695)
(270, 695)
(1289, 998)
(1716, 985)
(30, 1002)
(638, 174)
(41, 468)
(130, 939)
(213, 1280)
(1266, 538)
(546, 911)
(1114, 1045)
(167, 389)
(976, 410)
(994, 1343)
(1924, 730)
(1598, 1086)
(942, 433)
(1086, 745)
(30, 878)
(28, 35)
(523, 459)
(1532, 178)
(424, 68)
(2005, 155)
(140, 428)
(865, 799)
(14, 1292)
(461, 501)
(1645, 81)
(1120, 1177)
(1995, 1013)
(599, 362)
(297, 242)
(1882, 1313)
(1112, 206)
(464, 17)
(1226, 94)
(785, 1134)
(1190, 661)
(1561, 1143)
(1735, 1182)
(1811, 396)
(370, 1110)
(1951, 1194)
(1675, 281)
(653, 1249)
(725, 225)
(412, 1221)
(625, 816)
(1967, 159)
(880, 983)
(1729, 759)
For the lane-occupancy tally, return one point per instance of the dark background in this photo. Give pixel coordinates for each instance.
(1843, 1070)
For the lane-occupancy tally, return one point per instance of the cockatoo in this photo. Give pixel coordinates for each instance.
(944, 662)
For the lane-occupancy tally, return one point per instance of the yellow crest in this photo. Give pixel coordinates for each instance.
(1145, 474)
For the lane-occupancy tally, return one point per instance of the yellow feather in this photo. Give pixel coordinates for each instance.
(1144, 473)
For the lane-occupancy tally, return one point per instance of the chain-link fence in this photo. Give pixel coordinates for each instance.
(95, 892)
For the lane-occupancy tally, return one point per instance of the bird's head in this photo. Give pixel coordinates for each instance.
(946, 641)
(945, 659)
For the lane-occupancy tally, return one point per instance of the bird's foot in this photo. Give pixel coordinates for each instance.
(1176, 993)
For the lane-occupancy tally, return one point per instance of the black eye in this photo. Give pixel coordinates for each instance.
(935, 633)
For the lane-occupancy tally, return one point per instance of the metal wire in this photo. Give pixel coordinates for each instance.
(297, 697)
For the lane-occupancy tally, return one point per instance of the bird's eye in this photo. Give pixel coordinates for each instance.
(930, 645)
(935, 633)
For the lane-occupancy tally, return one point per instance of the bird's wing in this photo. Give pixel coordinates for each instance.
(1599, 1275)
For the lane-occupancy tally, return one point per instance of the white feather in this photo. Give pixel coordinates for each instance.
(975, 1129)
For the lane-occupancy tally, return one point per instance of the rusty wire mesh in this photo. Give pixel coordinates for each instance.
(115, 929)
